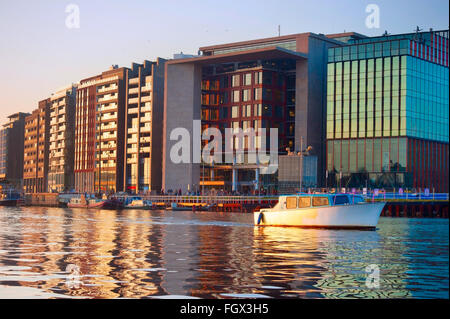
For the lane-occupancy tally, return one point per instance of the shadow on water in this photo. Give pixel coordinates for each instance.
(164, 254)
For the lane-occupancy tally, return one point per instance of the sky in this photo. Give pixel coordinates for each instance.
(39, 54)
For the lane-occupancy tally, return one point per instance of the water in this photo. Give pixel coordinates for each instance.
(156, 254)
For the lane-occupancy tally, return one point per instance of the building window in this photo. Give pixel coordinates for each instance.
(235, 111)
(246, 96)
(248, 79)
(235, 80)
(235, 96)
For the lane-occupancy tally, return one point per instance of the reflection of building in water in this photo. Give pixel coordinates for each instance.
(179, 255)
(138, 250)
(345, 272)
(90, 241)
(289, 258)
(225, 261)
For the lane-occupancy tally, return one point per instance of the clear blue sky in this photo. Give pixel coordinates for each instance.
(39, 54)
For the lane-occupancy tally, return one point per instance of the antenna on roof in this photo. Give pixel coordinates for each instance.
(279, 30)
(416, 37)
(385, 34)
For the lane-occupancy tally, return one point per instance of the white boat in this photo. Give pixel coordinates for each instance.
(137, 202)
(322, 211)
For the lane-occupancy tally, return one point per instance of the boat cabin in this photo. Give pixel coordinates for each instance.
(317, 200)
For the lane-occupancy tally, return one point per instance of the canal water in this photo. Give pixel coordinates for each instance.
(76, 253)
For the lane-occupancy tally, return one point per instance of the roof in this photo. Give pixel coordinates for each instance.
(256, 54)
(253, 42)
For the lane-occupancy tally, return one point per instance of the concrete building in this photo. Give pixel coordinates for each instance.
(62, 140)
(268, 83)
(99, 132)
(11, 150)
(387, 111)
(36, 149)
(144, 109)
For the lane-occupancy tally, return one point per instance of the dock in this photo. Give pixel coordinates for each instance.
(397, 205)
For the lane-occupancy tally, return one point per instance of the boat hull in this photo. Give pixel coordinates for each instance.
(363, 216)
(94, 205)
(8, 202)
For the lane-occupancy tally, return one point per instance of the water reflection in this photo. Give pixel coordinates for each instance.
(155, 254)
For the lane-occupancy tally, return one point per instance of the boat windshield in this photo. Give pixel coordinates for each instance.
(340, 200)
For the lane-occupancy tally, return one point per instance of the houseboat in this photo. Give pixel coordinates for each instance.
(321, 211)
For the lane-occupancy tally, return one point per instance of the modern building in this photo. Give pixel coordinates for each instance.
(99, 132)
(268, 83)
(36, 149)
(11, 150)
(144, 108)
(387, 111)
(62, 140)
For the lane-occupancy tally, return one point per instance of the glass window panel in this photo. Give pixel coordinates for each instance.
(304, 202)
(377, 154)
(361, 152)
(291, 202)
(369, 155)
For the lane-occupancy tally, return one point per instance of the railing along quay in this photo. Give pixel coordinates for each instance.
(397, 205)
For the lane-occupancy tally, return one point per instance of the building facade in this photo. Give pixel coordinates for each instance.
(99, 132)
(62, 140)
(11, 150)
(143, 117)
(260, 84)
(387, 112)
(36, 149)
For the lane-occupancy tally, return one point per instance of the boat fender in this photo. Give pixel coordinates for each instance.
(260, 218)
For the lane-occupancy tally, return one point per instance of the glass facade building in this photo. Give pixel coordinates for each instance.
(387, 112)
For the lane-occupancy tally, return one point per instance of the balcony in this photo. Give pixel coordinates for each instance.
(146, 98)
(146, 88)
(146, 109)
(107, 89)
(133, 81)
(108, 97)
(133, 110)
(145, 129)
(108, 156)
(108, 127)
(146, 119)
(132, 130)
(108, 136)
(112, 107)
(131, 160)
(145, 149)
(133, 100)
(133, 91)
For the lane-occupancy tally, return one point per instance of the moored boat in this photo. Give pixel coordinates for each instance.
(176, 207)
(82, 202)
(137, 202)
(9, 198)
(322, 211)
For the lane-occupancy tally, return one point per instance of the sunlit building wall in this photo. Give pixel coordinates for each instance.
(387, 112)
(62, 138)
(36, 146)
(143, 118)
